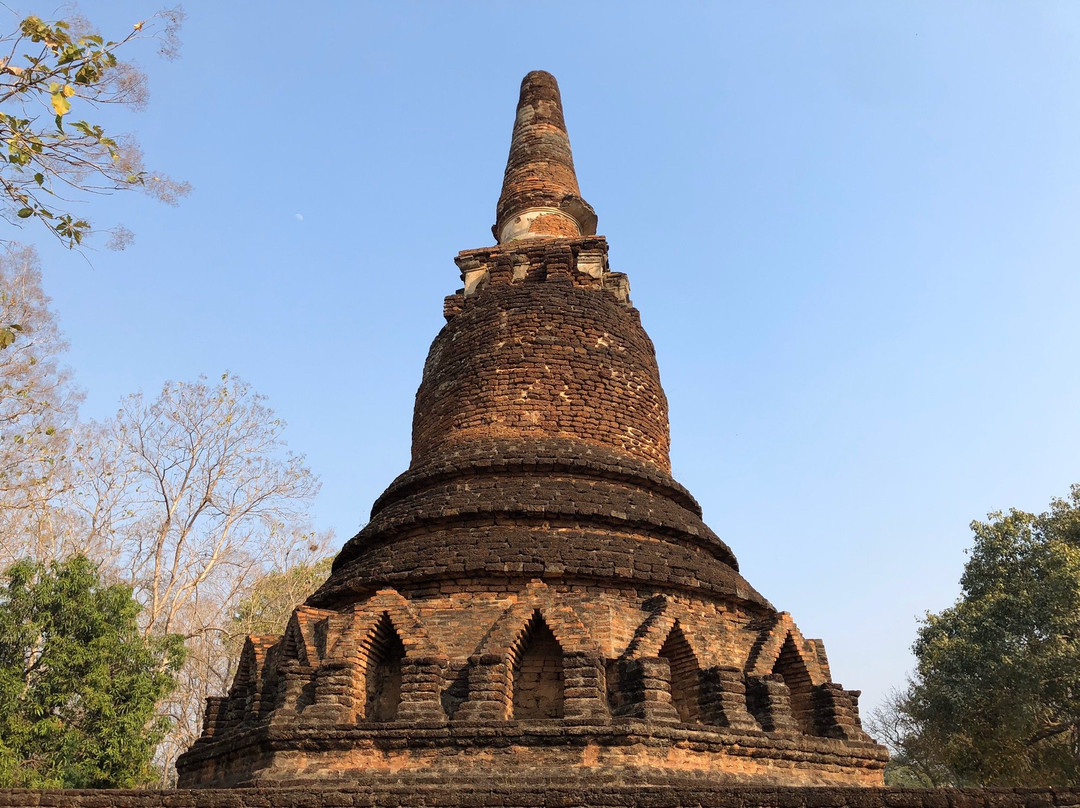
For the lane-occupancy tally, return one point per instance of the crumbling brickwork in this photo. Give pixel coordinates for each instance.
(536, 593)
(541, 349)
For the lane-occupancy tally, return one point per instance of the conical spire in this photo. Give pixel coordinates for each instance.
(540, 196)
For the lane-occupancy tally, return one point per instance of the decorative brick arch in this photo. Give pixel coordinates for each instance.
(384, 652)
(774, 640)
(245, 693)
(299, 641)
(782, 651)
(536, 668)
(490, 672)
(663, 644)
(364, 622)
(249, 670)
(343, 692)
(652, 633)
(655, 629)
(503, 637)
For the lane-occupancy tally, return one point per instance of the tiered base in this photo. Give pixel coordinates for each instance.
(526, 679)
(626, 752)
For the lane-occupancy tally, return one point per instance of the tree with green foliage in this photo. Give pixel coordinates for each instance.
(995, 698)
(48, 70)
(79, 683)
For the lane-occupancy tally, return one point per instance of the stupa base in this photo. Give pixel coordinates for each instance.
(624, 752)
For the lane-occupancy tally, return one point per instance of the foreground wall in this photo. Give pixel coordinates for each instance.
(551, 793)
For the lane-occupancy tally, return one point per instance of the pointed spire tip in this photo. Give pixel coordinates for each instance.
(540, 196)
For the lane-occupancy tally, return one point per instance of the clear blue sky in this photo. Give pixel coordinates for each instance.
(851, 230)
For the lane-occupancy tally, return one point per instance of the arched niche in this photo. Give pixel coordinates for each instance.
(537, 673)
(685, 674)
(385, 653)
(792, 668)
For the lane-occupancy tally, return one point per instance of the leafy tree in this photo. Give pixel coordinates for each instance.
(78, 681)
(188, 497)
(995, 699)
(912, 763)
(50, 74)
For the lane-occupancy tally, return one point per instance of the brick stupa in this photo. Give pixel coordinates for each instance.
(536, 597)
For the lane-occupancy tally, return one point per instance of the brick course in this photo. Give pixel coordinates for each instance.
(554, 789)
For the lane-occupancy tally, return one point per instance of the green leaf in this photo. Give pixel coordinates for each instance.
(87, 74)
(39, 178)
(25, 213)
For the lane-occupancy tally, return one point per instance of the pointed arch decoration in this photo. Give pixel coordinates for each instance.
(781, 653)
(381, 664)
(536, 672)
(384, 653)
(364, 616)
(249, 668)
(243, 698)
(491, 671)
(771, 642)
(652, 632)
(561, 619)
(300, 640)
(685, 674)
(790, 665)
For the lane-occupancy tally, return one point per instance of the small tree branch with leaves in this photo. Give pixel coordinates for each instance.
(52, 157)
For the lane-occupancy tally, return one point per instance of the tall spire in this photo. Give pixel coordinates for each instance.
(540, 196)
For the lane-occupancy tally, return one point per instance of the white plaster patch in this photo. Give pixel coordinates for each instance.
(474, 278)
(591, 262)
(518, 227)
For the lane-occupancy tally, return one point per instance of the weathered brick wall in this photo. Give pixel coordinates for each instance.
(548, 353)
(544, 793)
(505, 540)
(553, 596)
(510, 678)
(537, 674)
